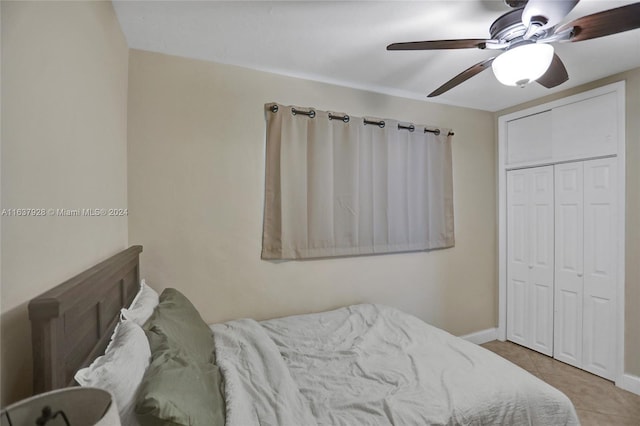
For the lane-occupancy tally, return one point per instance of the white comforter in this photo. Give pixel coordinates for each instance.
(373, 365)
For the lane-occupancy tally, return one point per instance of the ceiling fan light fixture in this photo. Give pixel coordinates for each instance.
(523, 64)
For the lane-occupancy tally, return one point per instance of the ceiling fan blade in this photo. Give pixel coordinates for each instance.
(555, 75)
(547, 13)
(462, 77)
(604, 23)
(469, 43)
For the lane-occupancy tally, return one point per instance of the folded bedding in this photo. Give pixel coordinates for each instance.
(373, 365)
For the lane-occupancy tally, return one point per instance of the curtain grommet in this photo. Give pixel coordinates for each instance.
(310, 113)
(380, 123)
(344, 118)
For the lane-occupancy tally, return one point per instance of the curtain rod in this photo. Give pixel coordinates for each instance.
(345, 118)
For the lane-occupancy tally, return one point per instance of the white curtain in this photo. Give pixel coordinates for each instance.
(336, 188)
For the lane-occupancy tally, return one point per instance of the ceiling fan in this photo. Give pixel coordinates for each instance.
(525, 35)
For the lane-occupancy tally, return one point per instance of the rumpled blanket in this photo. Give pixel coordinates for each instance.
(373, 365)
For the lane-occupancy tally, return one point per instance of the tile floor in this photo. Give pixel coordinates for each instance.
(598, 401)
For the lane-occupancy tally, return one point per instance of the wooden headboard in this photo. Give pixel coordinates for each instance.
(71, 324)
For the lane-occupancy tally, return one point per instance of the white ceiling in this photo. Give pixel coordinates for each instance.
(345, 43)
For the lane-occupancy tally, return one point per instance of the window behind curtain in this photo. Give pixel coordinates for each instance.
(336, 188)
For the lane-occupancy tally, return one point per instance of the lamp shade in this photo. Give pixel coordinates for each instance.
(523, 64)
(73, 406)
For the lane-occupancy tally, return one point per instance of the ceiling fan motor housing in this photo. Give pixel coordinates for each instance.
(508, 26)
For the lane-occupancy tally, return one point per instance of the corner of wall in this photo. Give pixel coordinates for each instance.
(64, 146)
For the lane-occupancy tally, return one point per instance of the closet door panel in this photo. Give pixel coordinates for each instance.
(600, 266)
(518, 184)
(585, 129)
(518, 322)
(541, 301)
(530, 258)
(542, 259)
(528, 139)
(568, 328)
(569, 247)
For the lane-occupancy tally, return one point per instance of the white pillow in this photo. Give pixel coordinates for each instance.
(120, 369)
(142, 306)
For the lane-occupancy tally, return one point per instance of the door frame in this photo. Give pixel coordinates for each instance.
(619, 89)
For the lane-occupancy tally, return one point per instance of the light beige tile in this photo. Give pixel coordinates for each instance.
(631, 398)
(593, 418)
(630, 401)
(512, 352)
(598, 401)
(583, 393)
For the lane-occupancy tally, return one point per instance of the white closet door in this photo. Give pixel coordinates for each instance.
(530, 258)
(518, 254)
(569, 263)
(600, 266)
(541, 262)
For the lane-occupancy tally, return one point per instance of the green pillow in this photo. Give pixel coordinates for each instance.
(178, 391)
(177, 324)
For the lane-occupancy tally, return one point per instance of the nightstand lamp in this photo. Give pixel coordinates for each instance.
(77, 406)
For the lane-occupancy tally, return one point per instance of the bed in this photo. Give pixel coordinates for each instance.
(362, 364)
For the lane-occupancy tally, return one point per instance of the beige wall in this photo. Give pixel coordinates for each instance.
(64, 116)
(196, 174)
(632, 263)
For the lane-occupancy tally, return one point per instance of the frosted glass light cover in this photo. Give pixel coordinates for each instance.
(523, 64)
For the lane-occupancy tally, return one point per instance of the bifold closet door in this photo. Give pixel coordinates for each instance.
(600, 271)
(530, 271)
(585, 265)
(569, 261)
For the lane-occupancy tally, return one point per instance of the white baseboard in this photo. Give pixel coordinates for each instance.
(629, 383)
(482, 336)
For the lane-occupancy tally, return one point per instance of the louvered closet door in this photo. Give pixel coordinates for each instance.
(569, 268)
(530, 258)
(600, 266)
